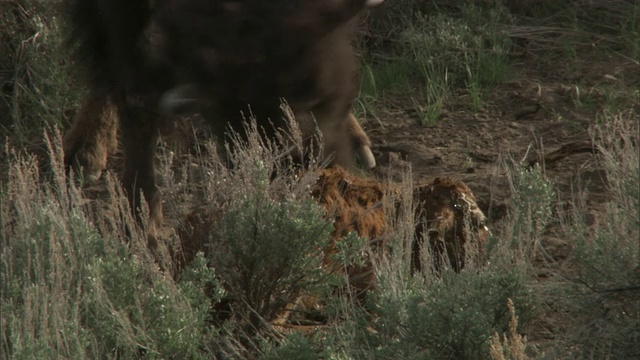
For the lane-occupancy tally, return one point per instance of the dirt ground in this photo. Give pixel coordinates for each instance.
(532, 114)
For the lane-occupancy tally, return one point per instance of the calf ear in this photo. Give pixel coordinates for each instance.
(179, 100)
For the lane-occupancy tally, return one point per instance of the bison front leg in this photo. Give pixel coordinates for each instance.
(92, 136)
(139, 128)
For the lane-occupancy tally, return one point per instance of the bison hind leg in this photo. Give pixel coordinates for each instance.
(92, 137)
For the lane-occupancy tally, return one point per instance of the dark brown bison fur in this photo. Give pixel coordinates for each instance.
(96, 121)
(92, 138)
(136, 55)
(448, 218)
(111, 49)
(110, 43)
(299, 51)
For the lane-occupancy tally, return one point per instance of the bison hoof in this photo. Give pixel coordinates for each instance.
(88, 162)
(373, 3)
(366, 156)
(89, 173)
(179, 100)
(91, 176)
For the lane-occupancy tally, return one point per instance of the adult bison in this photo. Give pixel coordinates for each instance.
(145, 58)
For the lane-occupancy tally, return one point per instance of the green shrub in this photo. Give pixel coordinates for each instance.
(530, 208)
(69, 290)
(452, 318)
(293, 346)
(436, 50)
(42, 90)
(602, 294)
(270, 251)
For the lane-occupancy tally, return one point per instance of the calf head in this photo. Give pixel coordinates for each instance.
(450, 220)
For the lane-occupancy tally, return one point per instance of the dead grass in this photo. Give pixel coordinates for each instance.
(512, 345)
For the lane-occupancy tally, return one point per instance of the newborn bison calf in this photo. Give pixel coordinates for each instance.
(217, 57)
